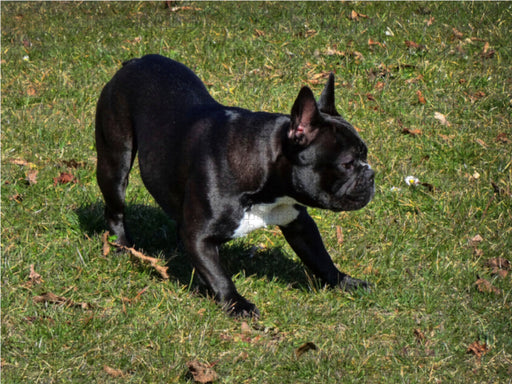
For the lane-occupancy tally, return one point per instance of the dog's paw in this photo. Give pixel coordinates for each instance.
(350, 284)
(241, 308)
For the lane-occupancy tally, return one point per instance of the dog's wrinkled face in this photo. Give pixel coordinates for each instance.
(329, 158)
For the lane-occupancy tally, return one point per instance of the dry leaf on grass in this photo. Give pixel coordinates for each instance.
(502, 138)
(183, 8)
(457, 34)
(475, 240)
(499, 266)
(154, 263)
(412, 45)
(484, 285)
(113, 372)
(356, 16)
(245, 328)
(309, 346)
(478, 349)
(64, 178)
(412, 132)
(421, 99)
(32, 176)
(106, 245)
(73, 163)
(22, 162)
(34, 278)
(339, 235)
(419, 335)
(414, 80)
(201, 372)
(487, 53)
(51, 298)
(442, 119)
(372, 42)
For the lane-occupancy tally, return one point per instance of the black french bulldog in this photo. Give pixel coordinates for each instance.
(222, 172)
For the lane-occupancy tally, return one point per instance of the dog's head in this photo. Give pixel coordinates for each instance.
(329, 168)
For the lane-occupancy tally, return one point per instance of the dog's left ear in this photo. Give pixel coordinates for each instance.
(304, 114)
(326, 102)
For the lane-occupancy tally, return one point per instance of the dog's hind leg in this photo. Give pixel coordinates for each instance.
(116, 148)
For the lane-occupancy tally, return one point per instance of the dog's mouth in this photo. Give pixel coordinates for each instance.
(354, 194)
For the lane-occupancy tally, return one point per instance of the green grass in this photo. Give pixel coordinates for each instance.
(412, 243)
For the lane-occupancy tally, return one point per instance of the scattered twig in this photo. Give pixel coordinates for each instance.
(153, 262)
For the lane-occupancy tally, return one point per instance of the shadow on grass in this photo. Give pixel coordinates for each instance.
(155, 234)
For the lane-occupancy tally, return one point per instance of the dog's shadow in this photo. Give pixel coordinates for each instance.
(154, 233)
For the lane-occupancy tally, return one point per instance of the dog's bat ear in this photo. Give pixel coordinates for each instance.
(326, 102)
(303, 117)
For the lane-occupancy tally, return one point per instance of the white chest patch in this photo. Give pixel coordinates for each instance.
(280, 212)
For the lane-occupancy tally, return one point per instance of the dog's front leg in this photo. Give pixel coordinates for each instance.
(303, 236)
(204, 256)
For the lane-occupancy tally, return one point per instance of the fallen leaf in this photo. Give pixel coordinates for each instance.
(457, 34)
(32, 176)
(74, 164)
(201, 372)
(52, 298)
(339, 235)
(246, 330)
(311, 32)
(258, 32)
(487, 53)
(334, 52)
(356, 16)
(184, 8)
(379, 85)
(498, 265)
(22, 162)
(481, 142)
(478, 349)
(64, 178)
(475, 240)
(358, 55)
(502, 138)
(381, 71)
(412, 132)
(421, 99)
(420, 336)
(16, 197)
(154, 263)
(106, 245)
(442, 119)
(113, 372)
(412, 45)
(34, 278)
(485, 286)
(318, 78)
(305, 348)
(414, 80)
(430, 21)
(31, 91)
(372, 42)
(242, 356)
(476, 96)
(446, 137)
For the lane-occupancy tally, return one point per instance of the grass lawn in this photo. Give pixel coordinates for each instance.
(429, 86)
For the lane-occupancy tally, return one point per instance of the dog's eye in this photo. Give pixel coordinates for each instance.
(348, 164)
